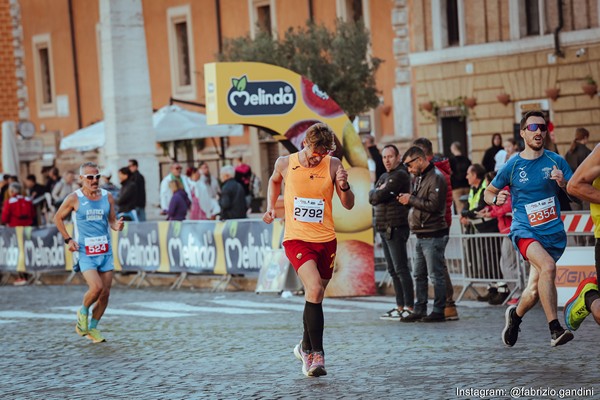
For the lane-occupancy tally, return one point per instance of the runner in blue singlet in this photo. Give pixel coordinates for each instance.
(535, 177)
(93, 213)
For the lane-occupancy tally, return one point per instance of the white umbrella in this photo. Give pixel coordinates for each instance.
(170, 123)
(10, 155)
(86, 139)
(176, 123)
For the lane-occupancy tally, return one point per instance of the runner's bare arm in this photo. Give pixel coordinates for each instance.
(492, 192)
(116, 225)
(340, 179)
(71, 203)
(580, 184)
(274, 188)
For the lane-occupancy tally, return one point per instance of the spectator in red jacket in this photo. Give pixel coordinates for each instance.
(18, 211)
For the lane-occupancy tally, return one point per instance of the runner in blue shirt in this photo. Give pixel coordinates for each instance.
(93, 213)
(535, 177)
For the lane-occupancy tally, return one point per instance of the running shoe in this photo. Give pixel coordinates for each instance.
(575, 309)
(95, 336)
(317, 367)
(306, 358)
(511, 329)
(561, 337)
(392, 315)
(82, 324)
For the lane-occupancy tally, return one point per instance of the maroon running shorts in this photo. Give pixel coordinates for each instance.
(299, 252)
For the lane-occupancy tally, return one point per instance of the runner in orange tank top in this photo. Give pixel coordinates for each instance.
(309, 239)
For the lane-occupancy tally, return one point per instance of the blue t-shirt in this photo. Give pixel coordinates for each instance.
(91, 225)
(535, 204)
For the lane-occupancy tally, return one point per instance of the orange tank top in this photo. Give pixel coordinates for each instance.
(307, 201)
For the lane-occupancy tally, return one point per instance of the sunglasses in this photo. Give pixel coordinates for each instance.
(92, 177)
(178, 168)
(534, 127)
(315, 154)
(407, 164)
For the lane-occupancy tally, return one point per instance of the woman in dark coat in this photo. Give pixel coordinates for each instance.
(488, 162)
(127, 194)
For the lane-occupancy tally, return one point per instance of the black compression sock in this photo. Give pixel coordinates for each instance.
(554, 326)
(306, 346)
(313, 315)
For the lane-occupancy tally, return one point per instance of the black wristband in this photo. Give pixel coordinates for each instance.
(67, 240)
(345, 190)
(495, 200)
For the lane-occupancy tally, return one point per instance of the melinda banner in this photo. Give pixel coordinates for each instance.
(9, 249)
(246, 245)
(44, 249)
(191, 247)
(138, 248)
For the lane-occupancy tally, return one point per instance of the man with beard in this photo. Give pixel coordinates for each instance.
(443, 165)
(535, 177)
(94, 213)
(427, 221)
(311, 177)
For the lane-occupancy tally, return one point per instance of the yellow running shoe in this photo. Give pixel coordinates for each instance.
(95, 336)
(82, 324)
(575, 310)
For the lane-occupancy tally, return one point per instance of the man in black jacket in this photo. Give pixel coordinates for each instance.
(427, 221)
(140, 190)
(233, 196)
(391, 221)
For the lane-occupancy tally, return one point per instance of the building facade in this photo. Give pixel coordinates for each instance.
(454, 70)
(504, 57)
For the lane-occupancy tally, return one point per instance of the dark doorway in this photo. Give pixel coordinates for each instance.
(454, 129)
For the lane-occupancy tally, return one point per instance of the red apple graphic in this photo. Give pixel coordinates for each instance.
(297, 132)
(319, 101)
(353, 271)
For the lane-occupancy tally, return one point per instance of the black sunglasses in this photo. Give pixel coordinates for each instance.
(92, 177)
(407, 164)
(534, 127)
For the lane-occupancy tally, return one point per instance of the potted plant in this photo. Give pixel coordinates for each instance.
(590, 87)
(552, 93)
(470, 102)
(503, 98)
(427, 106)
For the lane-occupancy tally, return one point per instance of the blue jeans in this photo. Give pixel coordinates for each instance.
(141, 213)
(396, 257)
(429, 259)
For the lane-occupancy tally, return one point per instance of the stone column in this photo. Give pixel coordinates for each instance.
(126, 96)
(402, 92)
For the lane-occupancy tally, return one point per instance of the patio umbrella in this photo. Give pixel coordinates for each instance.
(170, 123)
(175, 123)
(10, 155)
(85, 139)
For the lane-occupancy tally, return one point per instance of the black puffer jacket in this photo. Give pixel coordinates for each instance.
(388, 211)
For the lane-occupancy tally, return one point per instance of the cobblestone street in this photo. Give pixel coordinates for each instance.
(188, 345)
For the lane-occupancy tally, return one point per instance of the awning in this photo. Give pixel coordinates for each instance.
(170, 123)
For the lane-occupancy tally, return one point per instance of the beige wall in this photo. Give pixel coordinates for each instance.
(524, 77)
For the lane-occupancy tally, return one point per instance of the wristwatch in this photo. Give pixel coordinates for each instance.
(67, 240)
(345, 190)
(495, 199)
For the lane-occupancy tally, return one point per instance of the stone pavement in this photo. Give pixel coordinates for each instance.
(193, 345)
